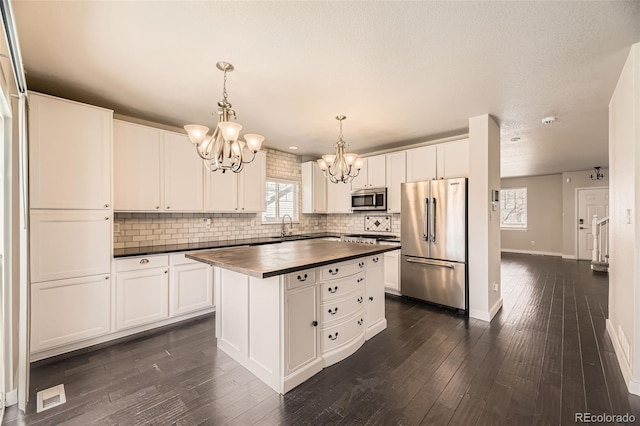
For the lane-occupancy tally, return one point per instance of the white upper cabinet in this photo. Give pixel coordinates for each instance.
(70, 154)
(338, 197)
(183, 174)
(243, 192)
(137, 152)
(421, 163)
(396, 171)
(372, 174)
(314, 188)
(453, 159)
(155, 170)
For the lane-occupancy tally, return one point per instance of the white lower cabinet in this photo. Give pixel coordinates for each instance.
(190, 285)
(301, 327)
(142, 297)
(392, 272)
(376, 321)
(70, 310)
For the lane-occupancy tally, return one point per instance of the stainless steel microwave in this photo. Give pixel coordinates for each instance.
(369, 199)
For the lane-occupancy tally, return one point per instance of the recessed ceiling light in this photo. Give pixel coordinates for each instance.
(548, 120)
(293, 147)
(516, 139)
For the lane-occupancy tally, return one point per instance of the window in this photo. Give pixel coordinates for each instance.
(282, 199)
(513, 208)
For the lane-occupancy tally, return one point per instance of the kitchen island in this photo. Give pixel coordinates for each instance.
(285, 311)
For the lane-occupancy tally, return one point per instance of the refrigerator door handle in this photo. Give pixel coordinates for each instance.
(430, 262)
(425, 220)
(432, 219)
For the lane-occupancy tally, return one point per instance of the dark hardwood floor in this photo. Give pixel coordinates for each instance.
(544, 357)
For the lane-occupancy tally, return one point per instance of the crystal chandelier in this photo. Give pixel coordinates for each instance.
(223, 150)
(341, 167)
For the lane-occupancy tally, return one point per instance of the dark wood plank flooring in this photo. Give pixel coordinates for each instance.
(543, 358)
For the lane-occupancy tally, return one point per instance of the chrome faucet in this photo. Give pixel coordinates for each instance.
(284, 234)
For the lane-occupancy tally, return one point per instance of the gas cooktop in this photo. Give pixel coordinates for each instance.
(367, 238)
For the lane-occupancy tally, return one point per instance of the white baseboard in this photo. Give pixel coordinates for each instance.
(495, 308)
(632, 385)
(11, 398)
(570, 256)
(537, 253)
(484, 315)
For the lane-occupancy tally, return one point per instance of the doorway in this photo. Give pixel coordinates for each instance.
(592, 201)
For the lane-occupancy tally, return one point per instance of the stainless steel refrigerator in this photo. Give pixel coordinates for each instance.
(434, 241)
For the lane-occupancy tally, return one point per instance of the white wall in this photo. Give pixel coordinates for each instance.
(484, 223)
(623, 323)
(580, 179)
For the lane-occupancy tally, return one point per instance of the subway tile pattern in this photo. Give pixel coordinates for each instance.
(150, 229)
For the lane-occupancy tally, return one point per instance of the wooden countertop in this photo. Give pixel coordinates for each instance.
(266, 261)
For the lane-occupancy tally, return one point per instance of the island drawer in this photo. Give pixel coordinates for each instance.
(336, 310)
(338, 288)
(340, 334)
(339, 270)
(142, 262)
(300, 278)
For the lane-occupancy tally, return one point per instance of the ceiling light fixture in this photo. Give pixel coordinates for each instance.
(516, 139)
(293, 148)
(597, 174)
(223, 150)
(341, 166)
(548, 120)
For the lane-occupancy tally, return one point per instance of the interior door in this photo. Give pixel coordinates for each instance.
(590, 202)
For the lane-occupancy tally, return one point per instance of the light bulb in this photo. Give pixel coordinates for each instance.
(350, 158)
(230, 130)
(322, 164)
(328, 159)
(197, 133)
(254, 141)
(359, 163)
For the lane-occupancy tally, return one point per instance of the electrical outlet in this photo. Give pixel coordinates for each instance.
(496, 286)
(207, 223)
(533, 243)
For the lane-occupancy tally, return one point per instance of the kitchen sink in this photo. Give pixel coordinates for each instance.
(292, 237)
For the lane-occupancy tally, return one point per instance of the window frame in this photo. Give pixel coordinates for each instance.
(296, 201)
(515, 227)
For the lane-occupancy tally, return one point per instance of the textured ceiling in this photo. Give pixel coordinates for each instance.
(402, 72)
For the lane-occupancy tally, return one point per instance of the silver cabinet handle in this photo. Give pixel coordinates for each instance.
(425, 222)
(143, 261)
(430, 262)
(332, 272)
(302, 278)
(361, 264)
(375, 260)
(333, 311)
(331, 337)
(432, 216)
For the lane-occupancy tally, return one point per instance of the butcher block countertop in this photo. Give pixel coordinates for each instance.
(266, 261)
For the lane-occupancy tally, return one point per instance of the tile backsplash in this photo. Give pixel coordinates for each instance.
(149, 229)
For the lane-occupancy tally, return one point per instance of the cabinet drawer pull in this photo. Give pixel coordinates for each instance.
(371, 298)
(302, 278)
(332, 337)
(107, 277)
(375, 260)
(157, 207)
(332, 272)
(333, 311)
(360, 321)
(360, 299)
(168, 207)
(314, 323)
(106, 218)
(359, 280)
(333, 290)
(361, 264)
(143, 261)
(166, 272)
(106, 205)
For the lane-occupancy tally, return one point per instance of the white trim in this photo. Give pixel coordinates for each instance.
(576, 218)
(486, 316)
(633, 386)
(534, 252)
(570, 256)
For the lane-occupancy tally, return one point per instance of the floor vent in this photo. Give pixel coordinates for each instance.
(50, 398)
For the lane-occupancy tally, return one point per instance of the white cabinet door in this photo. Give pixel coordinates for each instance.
(392, 271)
(374, 281)
(362, 180)
(67, 311)
(221, 191)
(142, 297)
(183, 175)
(338, 197)
(376, 175)
(253, 185)
(301, 327)
(421, 163)
(453, 159)
(69, 243)
(191, 288)
(396, 171)
(70, 154)
(314, 189)
(137, 167)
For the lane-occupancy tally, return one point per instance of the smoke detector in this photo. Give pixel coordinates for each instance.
(548, 120)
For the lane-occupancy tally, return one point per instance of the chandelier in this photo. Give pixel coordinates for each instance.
(597, 175)
(223, 150)
(341, 166)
